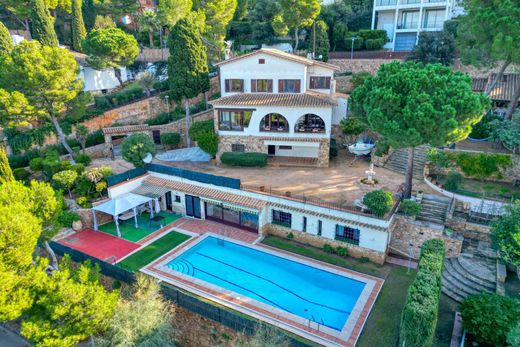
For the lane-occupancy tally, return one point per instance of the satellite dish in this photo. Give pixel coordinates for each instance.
(148, 158)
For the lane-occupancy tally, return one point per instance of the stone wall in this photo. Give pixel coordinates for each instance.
(469, 230)
(318, 242)
(97, 151)
(407, 233)
(87, 219)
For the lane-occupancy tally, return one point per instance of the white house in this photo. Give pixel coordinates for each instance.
(280, 104)
(97, 80)
(403, 20)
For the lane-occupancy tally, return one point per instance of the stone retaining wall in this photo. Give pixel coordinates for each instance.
(469, 230)
(318, 242)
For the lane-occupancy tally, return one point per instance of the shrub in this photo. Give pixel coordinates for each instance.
(438, 158)
(95, 138)
(135, 147)
(480, 165)
(410, 208)
(101, 103)
(79, 168)
(342, 251)
(382, 148)
(379, 202)
(490, 317)
(66, 218)
(244, 159)
(83, 202)
(65, 179)
(364, 259)
(21, 174)
(290, 236)
(420, 313)
(83, 159)
(36, 164)
(327, 248)
(513, 337)
(170, 139)
(373, 44)
(377, 34)
(208, 142)
(200, 127)
(352, 126)
(453, 181)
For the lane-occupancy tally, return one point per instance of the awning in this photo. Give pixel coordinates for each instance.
(230, 206)
(150, 191)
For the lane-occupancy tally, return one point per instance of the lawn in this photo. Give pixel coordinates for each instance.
(153, 251)
(382, 326)
(145, 226)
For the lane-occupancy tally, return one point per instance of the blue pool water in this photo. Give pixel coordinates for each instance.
(305, 291)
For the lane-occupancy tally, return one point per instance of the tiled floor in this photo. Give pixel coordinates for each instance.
(204, 226)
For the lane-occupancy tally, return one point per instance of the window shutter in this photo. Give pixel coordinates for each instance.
(297, 86)
(312, 82)
(227, 85)
(242, 86)
(253, 86)
(280, 86)
(327, 82)
(270, 86)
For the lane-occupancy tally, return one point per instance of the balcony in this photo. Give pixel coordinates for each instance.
(386, 2)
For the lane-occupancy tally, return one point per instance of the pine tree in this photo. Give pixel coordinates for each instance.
(78, 26)
(322, 40)
(6, 42)
(6, 175)
(42, 24)
(89, 13)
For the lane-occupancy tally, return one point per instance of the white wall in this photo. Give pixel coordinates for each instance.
(123, 188)
(297, 151)
(97, 80)
(340, 111)
(319, 71)
(386, 21)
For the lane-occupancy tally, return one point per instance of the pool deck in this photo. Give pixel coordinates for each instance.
(285, 320)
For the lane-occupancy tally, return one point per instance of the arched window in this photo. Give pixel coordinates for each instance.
(274, 122)
(309, 123)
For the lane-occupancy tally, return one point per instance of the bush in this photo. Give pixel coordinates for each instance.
(453, 181)
(66, 218)
(171, 139)
(410, 208)
(364, 259)
(420, 313)
(480, 165)
(101, 103)
(208, 142)
(377, 34)
(82, 159)
(490, 317)
(82, 201)
(327, 248)
(438, 158)
(79, 168)
(382, 148)
(36, 164)
(135, 147)
(21, 174)
(379, 202)
(165, 118)
(199, 128)
(95, 138)
(290, 236)
(513, 337)
(342, 251)
(352, 126)
(244, 159)
(373, 44)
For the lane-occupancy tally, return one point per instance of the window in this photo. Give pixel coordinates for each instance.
(304, 226)
(238, 147)
(288, 86)
(261, 86)
(288, 148)
(319, 82)
(177, 198)
(347, 234)
(320, 225)
(434, 19)
(234, 120)
(282, 218)
(261, 61)
(274, 122)
(234, 85)
(409, 20)
(310, 123)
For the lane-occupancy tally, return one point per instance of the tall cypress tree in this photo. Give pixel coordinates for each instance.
(89, 13)
(42, 24)
(78, 26)
(6, 42)
(6, 175)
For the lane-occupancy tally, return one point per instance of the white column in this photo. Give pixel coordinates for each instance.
(135, 217)
(117, 225)
(95, 220)
(150, 205)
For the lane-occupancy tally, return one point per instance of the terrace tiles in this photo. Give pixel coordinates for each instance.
(200, 227)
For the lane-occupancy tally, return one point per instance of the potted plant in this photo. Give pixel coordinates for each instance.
(410, 209)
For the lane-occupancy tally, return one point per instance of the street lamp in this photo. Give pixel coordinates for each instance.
(167, 97)
(352, 49)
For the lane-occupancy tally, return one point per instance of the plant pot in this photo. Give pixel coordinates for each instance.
(288, 194)
(77, 225)
(262, 188)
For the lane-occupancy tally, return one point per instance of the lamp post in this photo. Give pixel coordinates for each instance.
(352, 50)
(167, 98)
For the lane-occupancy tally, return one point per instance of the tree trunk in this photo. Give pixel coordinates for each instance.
(117, 72)
(187, 106)
(296, 40)
(497, 78)
(54, 260)
(63, 140)
(513, 103)
(409, 174)
(150, 38)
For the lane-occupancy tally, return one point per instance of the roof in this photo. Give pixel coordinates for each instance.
(126, 129)
(150, 191)
(252, 203)
(275, 99)
(504, 89)
(283, 55)
(121, 203)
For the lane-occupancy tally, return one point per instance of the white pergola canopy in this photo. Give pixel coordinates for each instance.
(122, 204)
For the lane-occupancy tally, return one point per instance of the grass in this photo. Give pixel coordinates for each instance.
(153, 251)
(382, 326)
(445, 321)
(146, 227)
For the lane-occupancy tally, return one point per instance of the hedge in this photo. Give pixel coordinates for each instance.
(197, 128)
(420, 313)
(244, 159)
(170, 139)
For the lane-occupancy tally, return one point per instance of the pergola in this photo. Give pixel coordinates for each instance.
(121, 204)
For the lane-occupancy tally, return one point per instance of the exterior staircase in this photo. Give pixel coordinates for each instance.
(398, 161)
(473, 272)
(434, 209)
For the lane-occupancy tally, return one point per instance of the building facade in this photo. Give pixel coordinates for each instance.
(403, 20)
(277, 103)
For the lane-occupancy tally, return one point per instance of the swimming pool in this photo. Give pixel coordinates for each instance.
(321, 296)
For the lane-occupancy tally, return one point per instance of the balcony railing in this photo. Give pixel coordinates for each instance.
(386, 2)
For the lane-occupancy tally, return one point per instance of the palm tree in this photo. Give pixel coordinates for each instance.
(148, 21)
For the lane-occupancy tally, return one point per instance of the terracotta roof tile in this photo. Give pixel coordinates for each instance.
(275, 99)
(504, 89)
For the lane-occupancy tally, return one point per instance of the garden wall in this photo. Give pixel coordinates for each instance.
(469, 230)
(406, 233)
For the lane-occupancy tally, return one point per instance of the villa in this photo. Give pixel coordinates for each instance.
(280, 104)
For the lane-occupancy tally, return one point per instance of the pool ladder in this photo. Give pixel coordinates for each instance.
(317, 323)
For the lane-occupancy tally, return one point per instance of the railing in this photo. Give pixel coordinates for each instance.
(125, 176)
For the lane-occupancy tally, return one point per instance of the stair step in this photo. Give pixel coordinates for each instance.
(452, 294)
(466, 278)
(459, 286)
(476, 271)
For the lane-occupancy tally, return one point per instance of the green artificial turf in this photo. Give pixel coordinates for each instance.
(146, 227)
(153, 251)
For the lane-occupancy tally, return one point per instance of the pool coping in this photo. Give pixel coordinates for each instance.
(285, 320)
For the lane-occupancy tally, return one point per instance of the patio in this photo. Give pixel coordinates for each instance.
(145, 226)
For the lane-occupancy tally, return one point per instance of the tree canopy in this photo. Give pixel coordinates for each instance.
(505, 233)
(434, 47)
(78, 26)
(149, 22)
(218, 14)
(42, 24)
(171, 11)
(135, 147)
(6, 42)
(297, 14)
